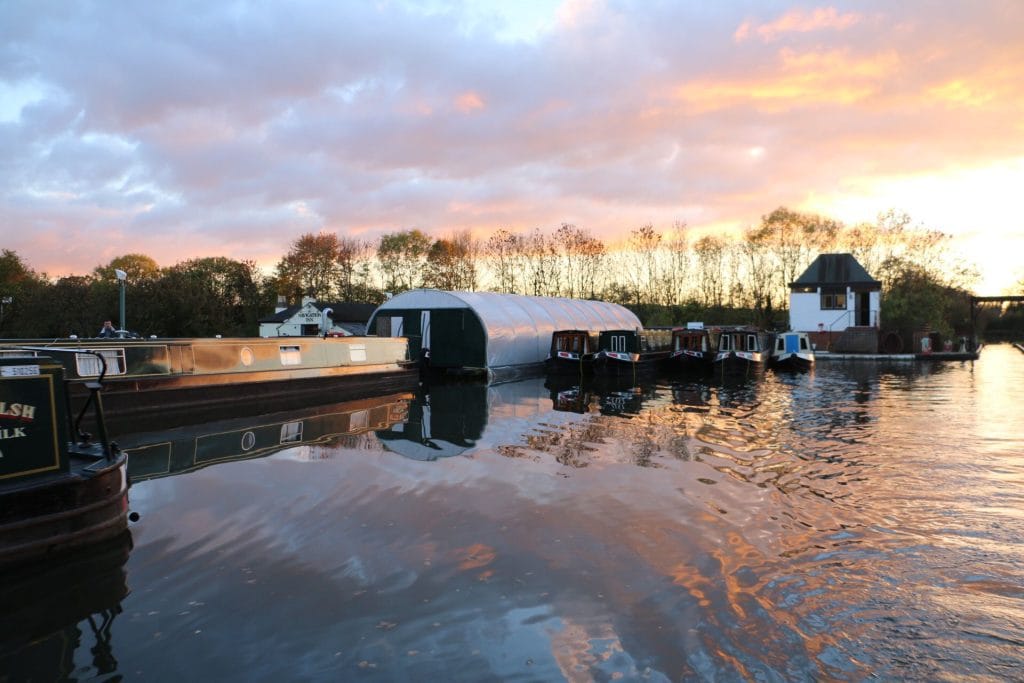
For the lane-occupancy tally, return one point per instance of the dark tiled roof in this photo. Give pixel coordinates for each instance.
(341, 311)
(835, 269)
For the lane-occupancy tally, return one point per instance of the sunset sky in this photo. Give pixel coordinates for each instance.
(189, 129)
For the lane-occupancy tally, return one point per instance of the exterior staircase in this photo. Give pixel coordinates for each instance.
(857, 340)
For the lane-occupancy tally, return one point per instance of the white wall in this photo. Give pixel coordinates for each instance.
(805, 312)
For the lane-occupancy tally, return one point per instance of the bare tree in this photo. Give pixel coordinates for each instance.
(541, 266)
(581, 256)
(505, 253)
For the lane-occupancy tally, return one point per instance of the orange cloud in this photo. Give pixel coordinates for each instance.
(801, 78)
(469, 101)
(798, 21)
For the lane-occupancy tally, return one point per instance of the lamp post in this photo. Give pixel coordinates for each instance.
(121, 280)
(4, 301)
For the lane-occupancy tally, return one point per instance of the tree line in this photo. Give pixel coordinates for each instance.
(667, 277)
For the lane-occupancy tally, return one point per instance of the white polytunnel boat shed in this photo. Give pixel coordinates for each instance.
(489, 331)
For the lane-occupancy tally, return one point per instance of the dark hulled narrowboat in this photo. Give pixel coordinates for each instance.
(572, 352)
(630, 351)
(60, 488)
(741, 349)
(692, 348)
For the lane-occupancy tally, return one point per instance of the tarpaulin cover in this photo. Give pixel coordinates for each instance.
(519, 327)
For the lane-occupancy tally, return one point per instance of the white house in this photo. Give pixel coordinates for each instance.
(833, 294)
(311, 319)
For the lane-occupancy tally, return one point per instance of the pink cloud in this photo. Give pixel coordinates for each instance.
(798, 21)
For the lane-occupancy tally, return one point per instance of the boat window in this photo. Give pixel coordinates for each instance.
(291, 355)
(751, 343)
(725, 344)
(619, 342)
(575, 343)
(88, 365)
(291, 432)
(803, 343)
(359, 421)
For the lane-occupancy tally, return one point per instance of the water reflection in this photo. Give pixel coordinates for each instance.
(200, 444)
(56, 619)
(858, 521)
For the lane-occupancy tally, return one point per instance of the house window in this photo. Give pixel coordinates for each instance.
(834, 300)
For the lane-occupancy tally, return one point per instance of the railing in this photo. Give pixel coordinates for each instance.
(845, 316)
(94, 400)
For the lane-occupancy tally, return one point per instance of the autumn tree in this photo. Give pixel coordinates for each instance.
(451, 263)
(138, 268)
(311, 268)
(18, 285)
(709, 256)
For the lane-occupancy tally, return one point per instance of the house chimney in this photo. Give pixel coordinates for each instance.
(282, 303)
(306, 300)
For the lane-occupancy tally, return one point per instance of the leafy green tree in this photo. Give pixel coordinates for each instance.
(402, 257)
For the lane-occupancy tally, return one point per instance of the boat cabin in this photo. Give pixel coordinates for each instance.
(638, 341)
(575, 342)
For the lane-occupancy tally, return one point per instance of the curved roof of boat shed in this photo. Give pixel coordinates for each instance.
(519, 327)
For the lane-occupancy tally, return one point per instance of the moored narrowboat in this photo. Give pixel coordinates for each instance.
(741, 349)
(630, 351)
(693, 348)
(572, 352)
(791, 351)
(166, 382)
(61, 489)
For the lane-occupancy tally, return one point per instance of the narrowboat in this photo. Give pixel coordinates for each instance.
(741, 349)
(693, 348)
(169, 381)
(630, 351)
(791, 351)
(572, 352)
(61, 489)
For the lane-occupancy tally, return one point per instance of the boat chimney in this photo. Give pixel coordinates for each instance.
(325, 321)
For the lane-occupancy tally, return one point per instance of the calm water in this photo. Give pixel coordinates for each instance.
(864, 520)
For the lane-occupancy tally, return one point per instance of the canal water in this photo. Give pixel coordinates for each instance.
(863, 520)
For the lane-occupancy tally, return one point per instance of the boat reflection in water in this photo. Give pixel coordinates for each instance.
(608, 395)
(183, 449)
(51, 610)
